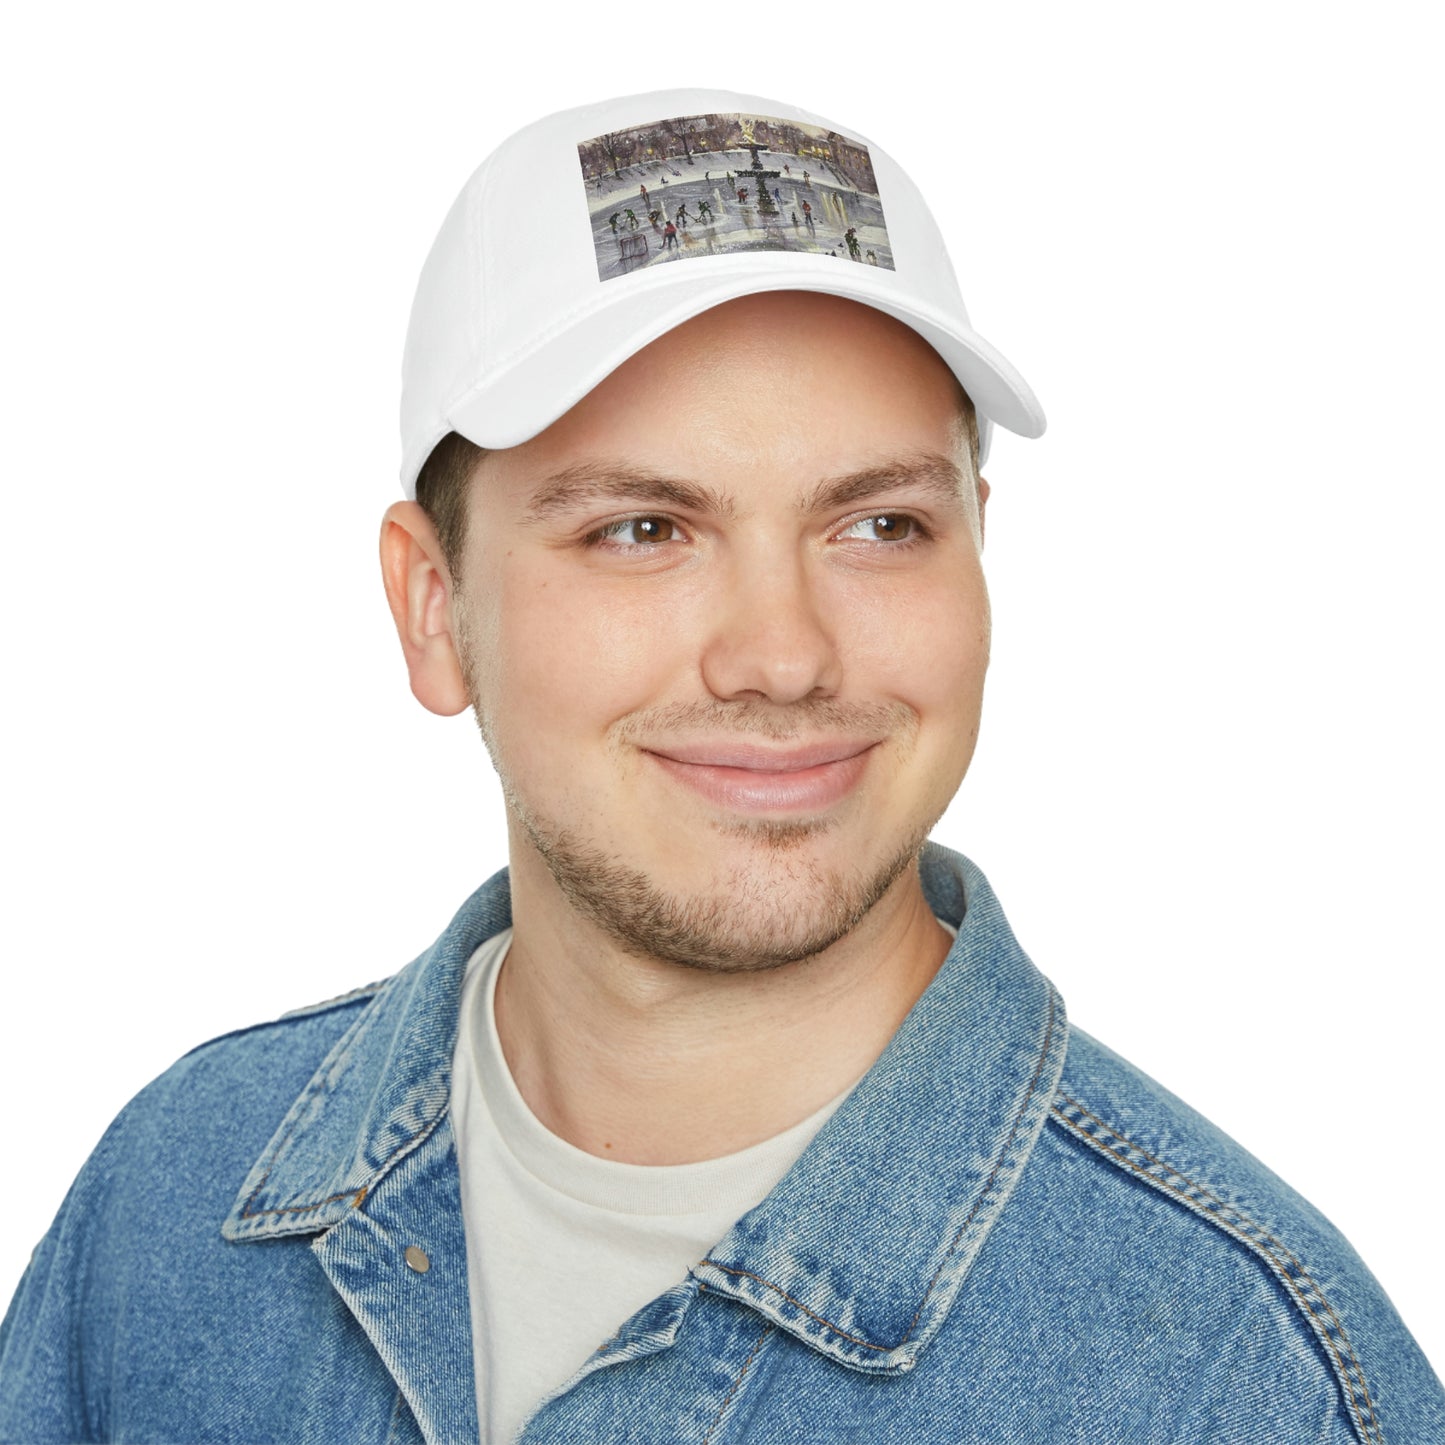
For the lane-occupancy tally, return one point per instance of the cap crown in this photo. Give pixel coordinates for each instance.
(565, 251)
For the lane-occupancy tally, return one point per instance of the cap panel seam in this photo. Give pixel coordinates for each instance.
(477, 269)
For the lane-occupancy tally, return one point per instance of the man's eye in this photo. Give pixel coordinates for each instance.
(638, 531)
(886, 527)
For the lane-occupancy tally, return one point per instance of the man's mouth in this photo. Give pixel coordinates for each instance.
(755, 777)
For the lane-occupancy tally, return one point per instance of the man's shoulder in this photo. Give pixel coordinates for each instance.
(148, 1207)
(328, 1015)
(1153, 1138)
(223, 1098)
(316, 1091)
(264, 1058)
(1215, 1201)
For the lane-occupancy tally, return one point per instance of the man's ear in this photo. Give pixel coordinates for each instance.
(983, 490)
(418, 590)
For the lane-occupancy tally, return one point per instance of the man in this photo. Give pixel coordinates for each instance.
(732, 1111)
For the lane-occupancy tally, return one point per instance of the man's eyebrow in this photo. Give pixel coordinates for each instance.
(586, 482)
(583, 483)
(931, 471)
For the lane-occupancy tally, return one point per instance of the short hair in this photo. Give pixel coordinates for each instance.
(443, 485)
(442, 490)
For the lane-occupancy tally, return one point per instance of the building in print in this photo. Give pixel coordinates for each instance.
(851, 159)
(689, 187)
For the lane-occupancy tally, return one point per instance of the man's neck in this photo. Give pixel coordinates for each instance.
(650, 1062)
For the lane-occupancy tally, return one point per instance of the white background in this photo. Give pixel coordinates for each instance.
(1209, 786)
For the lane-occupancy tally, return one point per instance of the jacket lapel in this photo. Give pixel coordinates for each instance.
(400, 1264)
(365, 1160)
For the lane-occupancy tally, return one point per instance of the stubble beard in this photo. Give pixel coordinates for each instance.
(780, 910)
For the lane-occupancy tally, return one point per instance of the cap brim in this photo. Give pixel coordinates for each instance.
(542, 383)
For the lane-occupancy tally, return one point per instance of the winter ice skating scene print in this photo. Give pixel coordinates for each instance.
(711, 185)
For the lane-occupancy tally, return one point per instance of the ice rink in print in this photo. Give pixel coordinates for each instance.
(710, 185)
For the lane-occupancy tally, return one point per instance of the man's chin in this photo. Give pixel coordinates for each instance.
(766, 901)
(781, 835)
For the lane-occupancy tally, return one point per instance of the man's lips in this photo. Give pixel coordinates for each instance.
(757, 757)
(752, 777)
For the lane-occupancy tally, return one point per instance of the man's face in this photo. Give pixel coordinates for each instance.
(725, 629)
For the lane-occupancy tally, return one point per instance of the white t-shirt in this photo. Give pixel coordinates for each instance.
(563, 1247)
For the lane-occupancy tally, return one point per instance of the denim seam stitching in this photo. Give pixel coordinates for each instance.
(325, 1005)
(396, 1409)
(1265, 1244)
(959, 1233)
(728, 1398)
(357, 1196)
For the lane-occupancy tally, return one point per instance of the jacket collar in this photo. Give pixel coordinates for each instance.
(860, 1250)
(862, 1247)
(378, 1095)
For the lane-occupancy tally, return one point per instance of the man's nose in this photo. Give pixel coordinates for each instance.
(770, 636)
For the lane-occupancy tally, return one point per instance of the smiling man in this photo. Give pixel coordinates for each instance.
(731, 1111)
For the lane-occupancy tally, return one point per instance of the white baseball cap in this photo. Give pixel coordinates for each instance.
(593, 231)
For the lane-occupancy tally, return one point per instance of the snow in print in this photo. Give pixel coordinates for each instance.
(711, 185)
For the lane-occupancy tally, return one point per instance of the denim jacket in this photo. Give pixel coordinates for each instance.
(1005, 1234)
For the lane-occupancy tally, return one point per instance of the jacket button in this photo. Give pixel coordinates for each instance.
(416, 1259)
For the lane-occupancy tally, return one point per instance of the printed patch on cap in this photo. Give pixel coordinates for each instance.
(713, 185)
